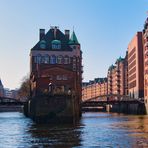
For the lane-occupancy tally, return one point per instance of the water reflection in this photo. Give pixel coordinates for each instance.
(57, 136)
(138, 129)
(93, 130)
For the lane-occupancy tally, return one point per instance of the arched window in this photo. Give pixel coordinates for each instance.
(53, 59)
(38, 59)
(60, 59)
(46, 59)
(43, 44)
(56, 44)
(66, 60)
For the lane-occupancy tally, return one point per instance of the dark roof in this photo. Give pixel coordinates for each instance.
(97, 80)
(111, 67)
(53, 35)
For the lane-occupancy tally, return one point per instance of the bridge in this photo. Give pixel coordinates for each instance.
(10, 101)
(114, 102)
(10, 104)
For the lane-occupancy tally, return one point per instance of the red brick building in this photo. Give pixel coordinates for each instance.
(145, 52)
(135, 66)
(117, 77)
(56, 63)
(92, 89)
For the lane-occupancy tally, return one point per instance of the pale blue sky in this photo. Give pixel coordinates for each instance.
(103, 27)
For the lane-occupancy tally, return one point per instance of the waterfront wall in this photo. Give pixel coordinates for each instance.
(11, 108)
(53, 109)
(127, 108)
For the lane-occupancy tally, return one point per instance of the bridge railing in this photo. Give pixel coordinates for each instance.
(114, 97)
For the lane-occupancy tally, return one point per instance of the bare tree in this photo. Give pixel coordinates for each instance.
(24, 90)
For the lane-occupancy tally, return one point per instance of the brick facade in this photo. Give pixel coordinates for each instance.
(56, 61)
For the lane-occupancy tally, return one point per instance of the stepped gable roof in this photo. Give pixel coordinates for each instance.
(56, 37)
(73, 39)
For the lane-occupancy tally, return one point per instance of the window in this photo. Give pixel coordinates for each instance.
(66, 60)
(42, 59)
(60, 60)
(53, 59)
(65, 77)
(35, 59)
(78, 60)
(43, 44)
(74, 59)
(74, 67)
(38, 59)
(62, 77)
(56, 44)
(46, 59)
(59, 77)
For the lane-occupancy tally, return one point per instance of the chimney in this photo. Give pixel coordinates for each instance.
(42, 33)
(67, 32)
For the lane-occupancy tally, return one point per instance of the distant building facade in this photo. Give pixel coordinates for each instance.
(8, 93)
(92, 89)
(117, 77)
(135, 67)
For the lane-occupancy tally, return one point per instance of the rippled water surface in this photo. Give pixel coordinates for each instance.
(94, 129)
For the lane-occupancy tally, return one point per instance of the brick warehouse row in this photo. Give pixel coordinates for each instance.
(128, 76)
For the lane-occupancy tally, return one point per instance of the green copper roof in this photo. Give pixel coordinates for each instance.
(119, 59)
(56, 42)
(43, 41)
(73, 39)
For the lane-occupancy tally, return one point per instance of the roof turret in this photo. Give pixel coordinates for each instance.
(73, 39)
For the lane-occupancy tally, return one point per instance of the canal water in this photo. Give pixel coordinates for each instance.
(94, 130)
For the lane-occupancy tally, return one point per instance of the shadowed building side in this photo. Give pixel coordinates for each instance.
(145, 63)
(135, 67)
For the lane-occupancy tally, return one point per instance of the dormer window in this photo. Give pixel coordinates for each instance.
(43, 44)
(56, 44)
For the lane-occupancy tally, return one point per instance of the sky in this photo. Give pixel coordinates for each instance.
(103, 27)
